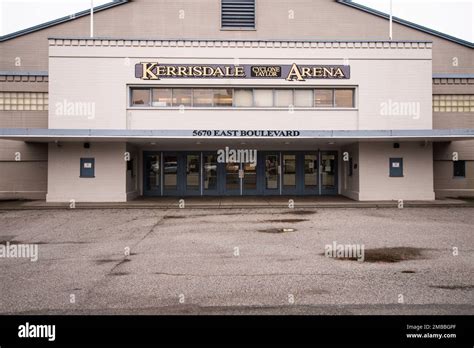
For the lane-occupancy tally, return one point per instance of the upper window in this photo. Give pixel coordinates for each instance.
(238, 14)
(242, 97)
(141, 97)
(24, 101)
(453, 103)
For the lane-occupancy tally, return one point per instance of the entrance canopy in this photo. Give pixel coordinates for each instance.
(211, 135)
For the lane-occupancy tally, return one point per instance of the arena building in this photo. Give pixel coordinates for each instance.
(221, 97)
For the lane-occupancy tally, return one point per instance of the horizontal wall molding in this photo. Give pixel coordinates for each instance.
(114, 42)
(23, 76)
(453, 81)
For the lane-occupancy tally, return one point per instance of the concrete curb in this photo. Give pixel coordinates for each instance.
(240, 206)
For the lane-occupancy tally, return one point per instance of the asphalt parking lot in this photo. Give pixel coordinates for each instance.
(238, 261)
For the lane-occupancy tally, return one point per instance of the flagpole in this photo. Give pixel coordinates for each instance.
(391, 21)
(92, 18)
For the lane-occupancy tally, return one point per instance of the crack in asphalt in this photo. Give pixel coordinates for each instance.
(106, 277)
(243, 275)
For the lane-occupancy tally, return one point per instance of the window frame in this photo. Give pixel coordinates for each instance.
(463, 169)
(401, 169)
(82, 170)
(246, 87)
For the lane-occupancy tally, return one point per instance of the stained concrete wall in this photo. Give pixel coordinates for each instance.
(65, 183)
(417, 180)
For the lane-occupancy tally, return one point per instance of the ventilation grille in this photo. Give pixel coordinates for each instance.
(238, 14)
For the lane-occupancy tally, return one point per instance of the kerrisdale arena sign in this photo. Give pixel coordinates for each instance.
(294, 72)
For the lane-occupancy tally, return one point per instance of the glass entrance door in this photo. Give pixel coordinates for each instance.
(271, 173)
(290, 177)
(210, 175)
(232, 180)
(170, 174)
(310, 175)
(152, 169)
(249, 181)
(193, 174)
(328, 172)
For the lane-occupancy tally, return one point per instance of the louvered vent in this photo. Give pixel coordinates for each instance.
(238, 14)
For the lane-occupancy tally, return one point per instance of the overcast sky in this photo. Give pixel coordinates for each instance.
(453, 17)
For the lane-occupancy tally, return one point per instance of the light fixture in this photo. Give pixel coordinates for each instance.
(331, 143)
(152, 143)
(198, 143)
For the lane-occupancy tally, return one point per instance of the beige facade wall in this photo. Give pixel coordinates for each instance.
(103, 71)
(322, 19)
(375, 182)
(446, 185)
(64, 182)
(23, 168)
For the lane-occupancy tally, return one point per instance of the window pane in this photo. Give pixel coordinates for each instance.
(161, 97)
(310, 171)
(210, 172)
(170, 172)
(344, 98)
(192, 172)
(140, 97)
(289, 171)
(283, 97)
(263, 97)
(323, 97)
(202, 97)
(182, 96)
(223, 97)
(304, 98)
(459, 168)
(243, 97)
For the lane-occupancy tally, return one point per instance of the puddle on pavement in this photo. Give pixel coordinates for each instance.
(278, 230)
(174, 217)
(389, 255)
(408, 271)
(286, 220)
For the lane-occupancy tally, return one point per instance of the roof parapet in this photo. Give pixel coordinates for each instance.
(134, 42)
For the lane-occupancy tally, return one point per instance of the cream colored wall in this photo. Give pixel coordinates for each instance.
(85, 73)
(64, 183)
(375, 182)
